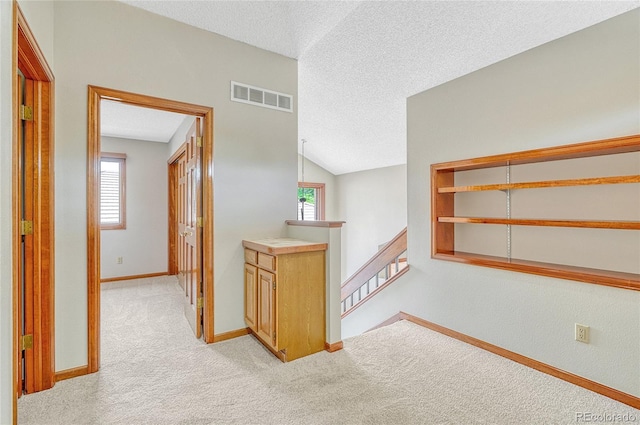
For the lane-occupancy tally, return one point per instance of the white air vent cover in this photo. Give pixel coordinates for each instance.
(245, 93)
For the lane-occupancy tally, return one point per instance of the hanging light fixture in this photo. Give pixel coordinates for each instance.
(302, 199)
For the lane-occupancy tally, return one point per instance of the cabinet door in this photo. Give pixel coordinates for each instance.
(250, 295)
(267, 308)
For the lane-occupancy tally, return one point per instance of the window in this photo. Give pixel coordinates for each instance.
(313, 206)
(112, 193)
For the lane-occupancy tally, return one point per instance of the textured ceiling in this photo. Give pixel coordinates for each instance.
(359, 61)
(134, 122)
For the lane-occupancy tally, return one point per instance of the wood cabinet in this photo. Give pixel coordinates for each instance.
(250, 291)
(597, 199)
(285, 286)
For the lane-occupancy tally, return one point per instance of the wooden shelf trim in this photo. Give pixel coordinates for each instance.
(543, 184)
(579, 150)
(592, 224)
(443, 217)
(581, 274)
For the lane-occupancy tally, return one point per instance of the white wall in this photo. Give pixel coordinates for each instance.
(179, 136)
(6, 313)
(255, 149)
(582, 87)
(39, 16)
(332, 237)
(143, 245)
(374, 205)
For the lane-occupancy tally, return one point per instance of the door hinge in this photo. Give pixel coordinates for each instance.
(274, 338)
(26, 227)
(200, 222)
(274, 286)
(199, 142)
(26, 113)
(200, 302)
(26, 342)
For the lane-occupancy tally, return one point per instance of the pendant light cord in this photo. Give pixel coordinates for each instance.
(302, 198)
(303, 142)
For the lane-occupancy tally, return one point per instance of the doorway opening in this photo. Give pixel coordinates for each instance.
(203, 301)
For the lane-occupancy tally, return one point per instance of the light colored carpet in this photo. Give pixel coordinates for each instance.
(155, 372)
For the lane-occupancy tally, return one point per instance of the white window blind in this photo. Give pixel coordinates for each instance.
(309, 212)
(112, 192)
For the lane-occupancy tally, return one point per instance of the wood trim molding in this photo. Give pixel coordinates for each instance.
(311, 185)
(579, 150)
(315, 223)
(208, 224)
(526, 361)
(320, 189)
(15, 208)
(135, 276)
(39, 143)
(95, 95)
(172, 199)
(93, 231)
(231, 334)
(72, 373)
(29, 55)
(152, 102)
(561, 271)
(178, 153)
(333, 347)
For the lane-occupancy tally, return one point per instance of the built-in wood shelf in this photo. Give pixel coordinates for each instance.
(562, 271)
(593, 224)
(543, 184)
(444, 219)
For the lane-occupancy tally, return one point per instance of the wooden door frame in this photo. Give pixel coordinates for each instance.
(29, 59)
(172, 173)
(96, 94)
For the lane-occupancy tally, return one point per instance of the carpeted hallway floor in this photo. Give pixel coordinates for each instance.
(155, 372)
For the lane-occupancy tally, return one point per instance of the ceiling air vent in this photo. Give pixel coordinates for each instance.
(245, 93)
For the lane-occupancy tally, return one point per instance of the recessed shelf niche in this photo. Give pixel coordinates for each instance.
(571, 212)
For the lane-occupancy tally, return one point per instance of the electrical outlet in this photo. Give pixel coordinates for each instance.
(119, 260)
(582, 333)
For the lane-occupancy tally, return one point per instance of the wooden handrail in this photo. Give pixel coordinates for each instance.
(395, 247)
(387, 282)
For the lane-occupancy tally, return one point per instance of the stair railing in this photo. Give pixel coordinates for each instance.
(387, 265)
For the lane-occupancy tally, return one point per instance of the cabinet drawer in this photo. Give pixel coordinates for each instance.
(250, 256)
(267, 261)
